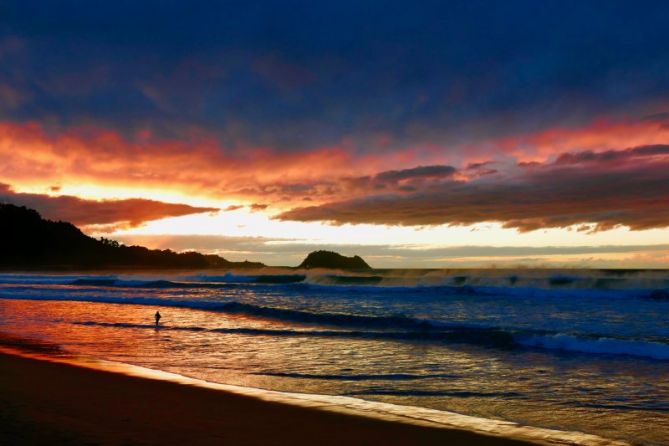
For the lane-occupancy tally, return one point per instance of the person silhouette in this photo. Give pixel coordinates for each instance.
(157, 316)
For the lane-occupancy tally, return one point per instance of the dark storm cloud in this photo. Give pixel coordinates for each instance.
(405, 180)
(128, 212)
(419, 172)
(299, 75)
(577, 188)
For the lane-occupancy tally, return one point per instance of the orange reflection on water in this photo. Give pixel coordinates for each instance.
(534, 388)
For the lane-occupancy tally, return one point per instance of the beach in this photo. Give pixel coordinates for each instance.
(43, 402)
(458, 358)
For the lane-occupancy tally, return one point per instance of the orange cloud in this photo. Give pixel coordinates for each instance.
(601, 134)
(116, 213)
(36, 157)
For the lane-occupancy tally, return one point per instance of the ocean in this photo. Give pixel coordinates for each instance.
(572, 350)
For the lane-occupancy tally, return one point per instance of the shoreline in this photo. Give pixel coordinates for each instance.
(54, 395)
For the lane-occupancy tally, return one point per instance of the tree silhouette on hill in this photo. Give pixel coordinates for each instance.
(30, 242)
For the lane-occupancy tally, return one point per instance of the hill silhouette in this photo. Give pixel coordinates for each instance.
(28, 241)
(333, 260)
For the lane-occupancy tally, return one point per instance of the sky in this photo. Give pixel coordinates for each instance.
(415, 134)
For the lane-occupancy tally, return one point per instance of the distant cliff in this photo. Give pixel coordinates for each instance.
(27, 241)
(333, 260)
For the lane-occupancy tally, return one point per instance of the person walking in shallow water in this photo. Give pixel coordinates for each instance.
(157, 316)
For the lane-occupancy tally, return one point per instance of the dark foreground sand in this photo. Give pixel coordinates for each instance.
(45, 403)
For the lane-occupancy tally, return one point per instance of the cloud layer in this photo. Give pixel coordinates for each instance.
(374, 76)
(625, 187)
(118, 213)
(426, 113)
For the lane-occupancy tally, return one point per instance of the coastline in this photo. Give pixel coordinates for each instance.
(81, 401)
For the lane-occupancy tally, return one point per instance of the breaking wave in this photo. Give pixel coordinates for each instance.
(596, 284)
(604, 345)
(402, 328)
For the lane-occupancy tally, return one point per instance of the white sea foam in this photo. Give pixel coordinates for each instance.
(609, 346)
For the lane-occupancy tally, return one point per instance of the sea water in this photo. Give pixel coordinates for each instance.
(583, 351)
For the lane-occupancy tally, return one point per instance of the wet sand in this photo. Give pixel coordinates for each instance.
(50, 403)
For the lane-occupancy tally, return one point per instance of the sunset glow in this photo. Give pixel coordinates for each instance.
(308, 153)
(346, 222)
